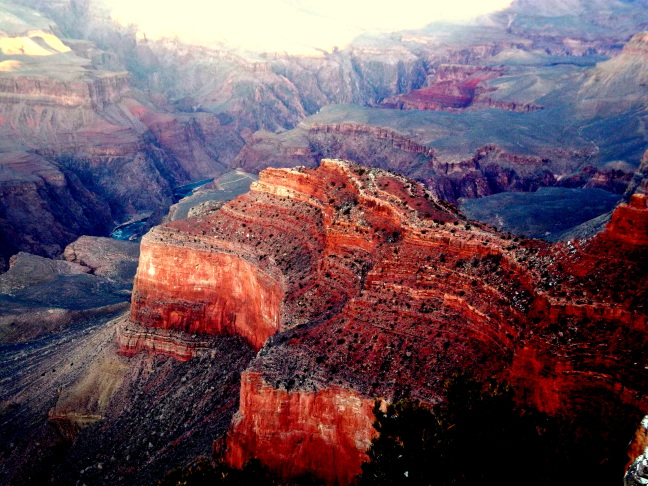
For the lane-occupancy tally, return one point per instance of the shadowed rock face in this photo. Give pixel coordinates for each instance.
(73, 410)
(385, 292)
(40, 296)
(77, 154)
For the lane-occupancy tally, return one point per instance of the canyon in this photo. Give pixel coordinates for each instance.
(86, 103)
(385, 293)
(326, 263)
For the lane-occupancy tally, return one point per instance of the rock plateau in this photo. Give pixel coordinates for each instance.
(363, 285)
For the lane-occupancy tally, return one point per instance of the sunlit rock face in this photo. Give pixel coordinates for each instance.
(325, 432)
(204, 292)
(629, 224)
(366, 286)
(241, 274)
(617, 85)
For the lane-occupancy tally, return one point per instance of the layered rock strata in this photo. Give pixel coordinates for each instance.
(77, 154)
(490, 170)
(325, 432)
(377, 289)
(205, 292)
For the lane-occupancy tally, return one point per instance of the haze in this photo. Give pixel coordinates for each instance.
(296, 26)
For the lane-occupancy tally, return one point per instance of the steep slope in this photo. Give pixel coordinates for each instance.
(618, 85)
(376, 289)
(77, 154)
(72, 409)
(40, 296)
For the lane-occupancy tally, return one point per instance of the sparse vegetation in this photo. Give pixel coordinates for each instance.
(204, 472)
(480, 436)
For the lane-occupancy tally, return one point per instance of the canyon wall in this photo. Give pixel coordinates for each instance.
(204, 292)
(96, 91)
(490, 170)
(386, 292)
(324, 432)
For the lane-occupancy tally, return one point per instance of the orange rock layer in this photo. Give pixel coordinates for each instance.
(378, 290)
(201, 291)
(325, 431)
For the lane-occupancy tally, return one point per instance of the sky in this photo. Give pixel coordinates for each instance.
(295, 26)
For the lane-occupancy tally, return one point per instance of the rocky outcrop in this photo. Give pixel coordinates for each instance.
(491, 170)
(104, 257)
(453, 89)
(41, 296)
(186, 298)
(385, 292)
(325, 432)
(395, 139)
(629, 223)
(248, 275)
(180, 345)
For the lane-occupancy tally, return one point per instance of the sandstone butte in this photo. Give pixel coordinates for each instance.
(357, 284)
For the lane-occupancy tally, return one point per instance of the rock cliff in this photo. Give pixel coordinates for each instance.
(78, 155)
(40, 296)
(490, 169)
(364, 285)
(618, 85)
(325, 432)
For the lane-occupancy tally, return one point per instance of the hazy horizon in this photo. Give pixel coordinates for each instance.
(295, 26)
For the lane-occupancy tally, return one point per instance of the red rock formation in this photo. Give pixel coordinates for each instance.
(629, 224)
(324, 431)
(183, 346)
(204, 292)
(593, 323)
(377, 289)
(455, 88)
